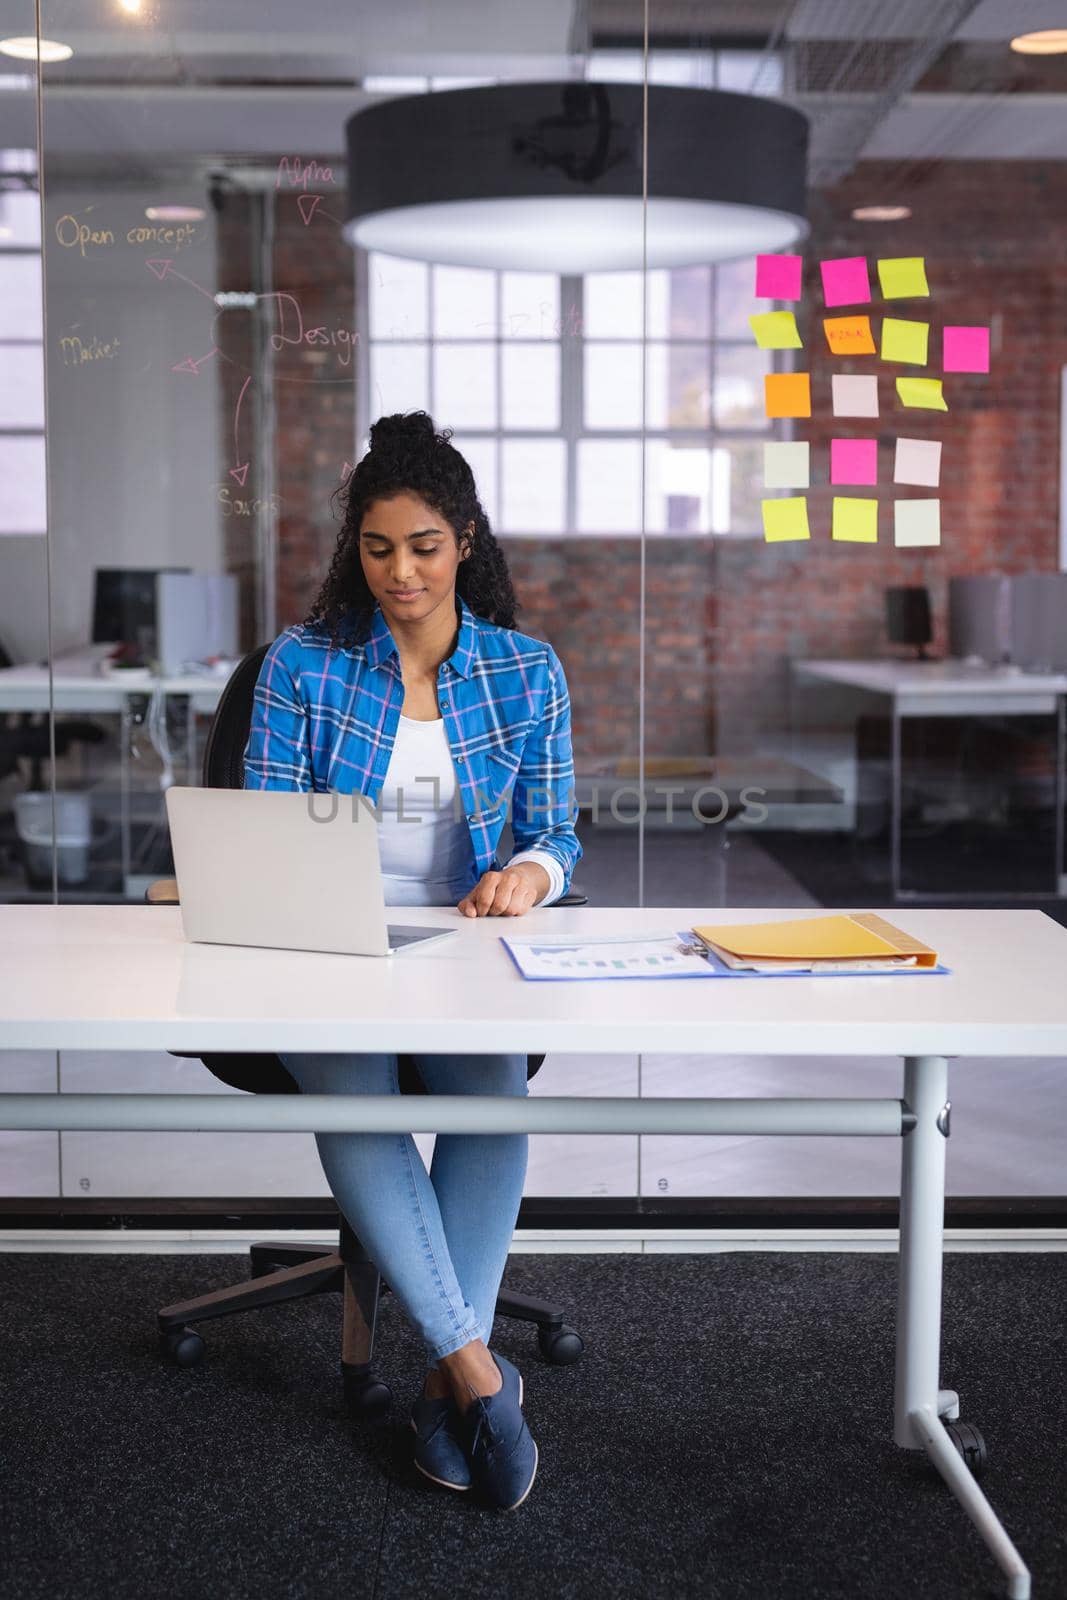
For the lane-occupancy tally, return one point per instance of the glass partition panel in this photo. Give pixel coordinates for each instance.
(221, 346)
(854, 602)
(25, 738)
(680, 516)
(29, 1161)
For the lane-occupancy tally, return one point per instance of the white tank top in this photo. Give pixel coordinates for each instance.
(426, 850)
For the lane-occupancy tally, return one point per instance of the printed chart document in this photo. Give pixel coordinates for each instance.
(657, 955)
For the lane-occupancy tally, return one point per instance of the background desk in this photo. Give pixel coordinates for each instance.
(77, 687)
(696, 794)
(123, 978)
(950, 689)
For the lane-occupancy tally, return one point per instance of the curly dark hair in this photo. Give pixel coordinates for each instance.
(407, 454)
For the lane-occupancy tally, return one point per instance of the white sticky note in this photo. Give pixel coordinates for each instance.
(916, 522)
(787, 464)
(854, 396)
(918, 461)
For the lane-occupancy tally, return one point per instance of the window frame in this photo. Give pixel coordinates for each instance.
(27, 431)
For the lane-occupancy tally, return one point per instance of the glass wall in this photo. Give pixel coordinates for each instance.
(209, 353)
(29, 1161)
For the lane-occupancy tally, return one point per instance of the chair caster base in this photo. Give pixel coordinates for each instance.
(183, 1346)
(366, 1396)
(561, 1346)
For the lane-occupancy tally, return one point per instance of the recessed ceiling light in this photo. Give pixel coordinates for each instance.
(881, 213)
(1051, 42)
(24, 48)
(173, 213)
(132, 6)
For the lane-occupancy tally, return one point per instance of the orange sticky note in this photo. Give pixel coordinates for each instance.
(787, 394)
(849, 336)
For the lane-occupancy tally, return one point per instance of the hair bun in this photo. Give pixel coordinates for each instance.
(413, 427)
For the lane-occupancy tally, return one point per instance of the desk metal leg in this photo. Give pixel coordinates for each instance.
(919, 1404)
(125, 755)
(191, 775)
(720, 845)
(1057, 874)
(894, 803)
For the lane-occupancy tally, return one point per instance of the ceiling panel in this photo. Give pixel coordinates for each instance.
(245, 79)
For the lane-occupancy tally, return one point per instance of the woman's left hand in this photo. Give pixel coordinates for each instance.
(508, 893)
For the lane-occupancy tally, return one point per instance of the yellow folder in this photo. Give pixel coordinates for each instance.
(834, 938)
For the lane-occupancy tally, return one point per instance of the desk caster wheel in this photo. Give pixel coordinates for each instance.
(183, 1346)
(561, 1346)
(366, 1395)
(970, 1444)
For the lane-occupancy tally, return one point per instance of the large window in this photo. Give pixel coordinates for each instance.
(22, 458)
(542, 378)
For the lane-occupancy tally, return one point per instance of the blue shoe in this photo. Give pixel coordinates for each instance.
(500, 1449)
(439, 1451)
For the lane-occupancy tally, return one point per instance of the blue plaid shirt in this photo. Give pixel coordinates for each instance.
(326, 721)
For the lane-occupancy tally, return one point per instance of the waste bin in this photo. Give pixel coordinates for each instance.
(33, 823)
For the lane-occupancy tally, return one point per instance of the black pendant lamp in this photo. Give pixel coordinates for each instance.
(548, 176)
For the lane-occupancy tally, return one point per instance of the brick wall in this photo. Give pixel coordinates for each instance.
(995, 240)
(313, 398)
(724, 617)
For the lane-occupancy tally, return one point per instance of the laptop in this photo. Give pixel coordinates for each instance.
(290, 870)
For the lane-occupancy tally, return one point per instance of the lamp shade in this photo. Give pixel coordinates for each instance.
(548, 176)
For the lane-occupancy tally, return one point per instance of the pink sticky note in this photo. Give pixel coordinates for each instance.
(778, 277)
(845, 281)
(853, 460)
(966, 350)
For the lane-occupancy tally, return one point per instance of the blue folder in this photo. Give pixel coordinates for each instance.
(704, 964)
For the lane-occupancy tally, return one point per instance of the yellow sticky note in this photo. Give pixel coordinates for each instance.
(903, 277)
(924, 392)
(849, 336)
(775, 330)
(785, 519)
(855, 519)
(905, 341)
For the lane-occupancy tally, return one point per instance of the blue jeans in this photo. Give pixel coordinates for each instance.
(439, 1239)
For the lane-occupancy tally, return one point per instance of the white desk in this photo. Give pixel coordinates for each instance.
(123, 978)
(77, 686)
(950, 689)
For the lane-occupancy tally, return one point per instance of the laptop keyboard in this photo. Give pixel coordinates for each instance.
(398, 935)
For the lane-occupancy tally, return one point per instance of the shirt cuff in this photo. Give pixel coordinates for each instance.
(546, 859)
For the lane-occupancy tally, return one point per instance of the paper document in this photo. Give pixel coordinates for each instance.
(657, 955)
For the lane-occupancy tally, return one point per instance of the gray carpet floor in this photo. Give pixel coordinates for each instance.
(727, 1434)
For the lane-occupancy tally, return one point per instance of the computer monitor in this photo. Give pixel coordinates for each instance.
(124, 605)
(907, 618)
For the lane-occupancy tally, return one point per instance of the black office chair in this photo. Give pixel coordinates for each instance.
(283, 1271)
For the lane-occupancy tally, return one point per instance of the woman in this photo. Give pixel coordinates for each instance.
(408, 672)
